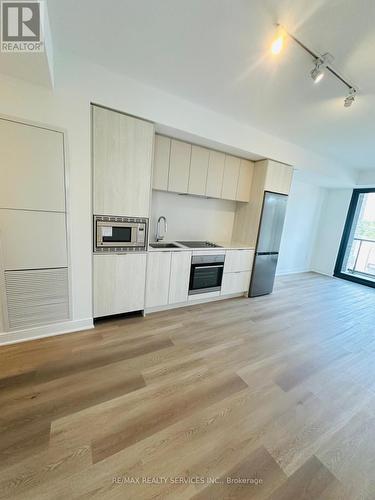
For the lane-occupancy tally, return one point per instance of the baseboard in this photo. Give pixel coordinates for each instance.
(321, 272)
(294, 271)
(45, 331)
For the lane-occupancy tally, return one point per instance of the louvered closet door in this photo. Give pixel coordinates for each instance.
(36, 297)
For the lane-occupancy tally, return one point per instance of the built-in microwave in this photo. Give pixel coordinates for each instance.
(120, 234)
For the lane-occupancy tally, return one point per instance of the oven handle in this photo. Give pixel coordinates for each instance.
(208, 267)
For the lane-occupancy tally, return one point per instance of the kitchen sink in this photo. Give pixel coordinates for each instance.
(164, 245)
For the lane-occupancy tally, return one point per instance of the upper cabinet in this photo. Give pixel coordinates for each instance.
(215, 174)
(161, 162)
(278, 177)
(230, 178)
(179, 166)
(122, 163)
(244, 180)
(31, 168)
(190, 169)
(267, 175)
(198, 170)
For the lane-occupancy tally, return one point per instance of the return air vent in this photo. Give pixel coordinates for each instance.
(36, 297)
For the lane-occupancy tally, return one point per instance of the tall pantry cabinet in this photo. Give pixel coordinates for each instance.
(122, 155)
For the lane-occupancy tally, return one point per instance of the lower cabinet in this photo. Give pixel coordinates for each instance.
(119, 283)
(157, 282)
(235, 282)
(180, 275)
(238, 260)
(168, 276)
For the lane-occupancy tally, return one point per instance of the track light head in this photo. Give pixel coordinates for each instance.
(350, 98)
(317, 73)
(321, 63)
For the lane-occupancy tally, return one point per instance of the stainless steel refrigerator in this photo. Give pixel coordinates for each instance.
(268, 244)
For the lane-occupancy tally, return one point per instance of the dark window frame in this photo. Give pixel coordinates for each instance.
(345, 239)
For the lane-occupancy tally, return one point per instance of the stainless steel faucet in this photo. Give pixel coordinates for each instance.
(160, 236)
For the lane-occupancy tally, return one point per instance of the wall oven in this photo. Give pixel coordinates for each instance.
(120, 234)
(206, 273)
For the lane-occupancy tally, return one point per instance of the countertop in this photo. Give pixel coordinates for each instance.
(223, 246)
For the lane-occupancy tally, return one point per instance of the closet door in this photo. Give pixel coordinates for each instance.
(31, 167)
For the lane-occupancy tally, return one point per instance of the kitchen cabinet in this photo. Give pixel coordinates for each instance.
(244, 180)
(119, 283)
(179, 277)
(32, 167)
(230, 177)
(278, 177)
(32, 240)
(215, 174)
(238, 260)
(157, 280)
(122, 163)
(198, 170)
(235, 283)
(268, 176)
(161, 162)
(179, 166)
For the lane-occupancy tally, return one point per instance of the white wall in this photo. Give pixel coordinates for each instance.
(300, 228)
(193, 217)
(77, 83)
(334, 211)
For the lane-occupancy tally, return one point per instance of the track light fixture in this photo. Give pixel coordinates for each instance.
(321, 63)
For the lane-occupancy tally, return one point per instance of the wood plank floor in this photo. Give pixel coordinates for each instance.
(272, 397)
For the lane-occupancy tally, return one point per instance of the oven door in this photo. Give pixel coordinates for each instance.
(116, 234)
(205, 278)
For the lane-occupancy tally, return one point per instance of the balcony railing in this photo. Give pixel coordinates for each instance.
(362, 257)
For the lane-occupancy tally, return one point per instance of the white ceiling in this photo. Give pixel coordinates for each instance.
(216, 53)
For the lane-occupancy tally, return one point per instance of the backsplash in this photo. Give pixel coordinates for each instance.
(193, 217)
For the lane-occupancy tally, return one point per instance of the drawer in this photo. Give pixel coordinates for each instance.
(238, 260)
(235, 282)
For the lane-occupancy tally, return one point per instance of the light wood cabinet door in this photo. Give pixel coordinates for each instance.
(179, 166)
(214, 184)
(198, 170)
(230, 178)
(122, 160)
(161, 162)
(180, 275)
(32, 240)
(278, 177)
(119, 283)
(238, 260)
(157, 280)
(244, 180)
(31, 168)
(235, 283)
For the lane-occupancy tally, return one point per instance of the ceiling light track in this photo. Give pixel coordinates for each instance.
(323, 62)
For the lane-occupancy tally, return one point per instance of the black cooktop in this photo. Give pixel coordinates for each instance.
(199, 244)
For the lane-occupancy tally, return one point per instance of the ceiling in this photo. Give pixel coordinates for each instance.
(216, 53)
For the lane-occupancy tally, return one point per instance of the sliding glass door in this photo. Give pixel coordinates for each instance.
(356, 258)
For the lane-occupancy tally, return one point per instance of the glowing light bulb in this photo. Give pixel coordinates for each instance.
(277, 45)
